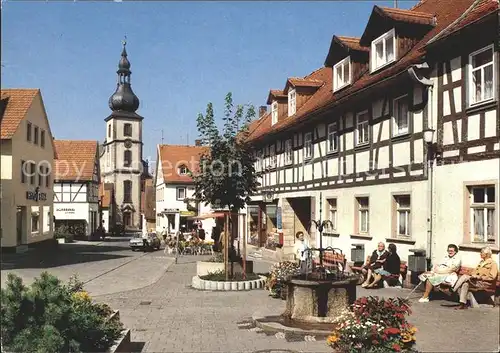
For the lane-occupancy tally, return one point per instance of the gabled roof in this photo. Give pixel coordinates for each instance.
(341, 47)
(302, 82)
(172, 157)
(18, 103)
(76, 160)
(478, 10)
(275, 94)
(446, 11)
(385, 16)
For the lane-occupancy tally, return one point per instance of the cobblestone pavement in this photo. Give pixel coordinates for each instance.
(168, 316)
(106, 267)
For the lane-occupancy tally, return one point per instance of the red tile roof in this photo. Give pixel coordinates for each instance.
(446, 11)
(408, 16)
(172, 157)
(75, 160)
(478, 10)
(275, 94)
(106, 194)
(19, 101)
(303, 82)
(352, 43)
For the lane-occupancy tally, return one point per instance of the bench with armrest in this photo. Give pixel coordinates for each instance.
(390, 280)
(332, 260)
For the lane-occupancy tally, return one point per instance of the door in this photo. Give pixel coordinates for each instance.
(20, 221)
(126, 219)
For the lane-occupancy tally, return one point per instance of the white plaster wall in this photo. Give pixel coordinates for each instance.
(449, 203)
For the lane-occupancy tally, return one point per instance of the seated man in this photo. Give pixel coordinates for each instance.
(376, 262)
(444, 272)
(482, 278)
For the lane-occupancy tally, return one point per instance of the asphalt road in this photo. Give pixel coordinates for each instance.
(105, 267)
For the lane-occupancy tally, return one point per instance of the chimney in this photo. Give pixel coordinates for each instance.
(197, 142)
(262, 111)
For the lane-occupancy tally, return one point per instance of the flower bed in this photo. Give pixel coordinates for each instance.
(280, 272)
(50, 316)
(374, 325)
(220, 276)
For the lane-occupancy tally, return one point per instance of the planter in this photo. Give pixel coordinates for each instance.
(204, 267)
(202, 284)
(122, 344)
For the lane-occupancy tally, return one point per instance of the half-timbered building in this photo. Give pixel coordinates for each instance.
(76, 186)
(349, 142)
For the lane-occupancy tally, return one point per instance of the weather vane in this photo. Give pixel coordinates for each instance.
(124, 41)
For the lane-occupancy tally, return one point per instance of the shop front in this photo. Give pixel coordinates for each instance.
(80, 218)
(264, 225)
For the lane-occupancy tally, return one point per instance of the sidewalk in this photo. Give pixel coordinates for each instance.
(169, 316)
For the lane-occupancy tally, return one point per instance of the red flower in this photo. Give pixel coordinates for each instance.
(391, 331)
(396, 347)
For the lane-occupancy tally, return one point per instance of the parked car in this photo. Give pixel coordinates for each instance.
(137, 242)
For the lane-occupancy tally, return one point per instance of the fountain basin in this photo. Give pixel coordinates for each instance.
(319, 300)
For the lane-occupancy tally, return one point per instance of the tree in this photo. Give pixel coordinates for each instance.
(226, 177)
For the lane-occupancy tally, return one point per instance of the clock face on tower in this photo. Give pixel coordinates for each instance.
(128, 143)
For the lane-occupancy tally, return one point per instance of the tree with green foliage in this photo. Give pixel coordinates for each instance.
(226, 178)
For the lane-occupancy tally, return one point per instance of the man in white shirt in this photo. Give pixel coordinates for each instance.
(300, 251)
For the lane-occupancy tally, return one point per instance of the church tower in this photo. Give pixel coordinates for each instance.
(121, 158)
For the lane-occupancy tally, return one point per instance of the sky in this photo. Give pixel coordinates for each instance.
(183, 55)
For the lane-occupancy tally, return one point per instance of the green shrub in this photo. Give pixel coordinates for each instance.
(220, 276)
(50, 317)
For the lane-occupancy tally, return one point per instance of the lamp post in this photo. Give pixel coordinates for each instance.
(433, 153)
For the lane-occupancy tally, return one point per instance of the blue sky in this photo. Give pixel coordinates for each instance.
(183, 55)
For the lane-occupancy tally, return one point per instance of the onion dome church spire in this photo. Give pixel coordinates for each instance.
(124, 98)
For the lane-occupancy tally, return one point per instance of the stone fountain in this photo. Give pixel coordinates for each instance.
(316, 296)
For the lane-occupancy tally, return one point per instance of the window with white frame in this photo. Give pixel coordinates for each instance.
(332, 213)
(292, 102)
(481, 77)
(288, 152)
(308, 148)
(401, 119)
(363, 215)
(362, 128)
(259, 158)
(482, 213)
(383, 50)
(342, 74)
(402, 215)
(181, 193)
(274, 113)
(272, 156)
(333, 138)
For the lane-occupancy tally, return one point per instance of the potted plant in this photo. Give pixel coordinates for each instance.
(280, 273)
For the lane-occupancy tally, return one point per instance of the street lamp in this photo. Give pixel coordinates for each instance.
(429, 135)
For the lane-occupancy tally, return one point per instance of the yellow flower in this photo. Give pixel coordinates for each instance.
(413, 329)
(332, 339)
(406, 337)
(83, 296)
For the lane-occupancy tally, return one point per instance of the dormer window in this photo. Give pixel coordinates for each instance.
(183, 170)
(342, 74)
(274, 113)
(383, 51)
(292, 103)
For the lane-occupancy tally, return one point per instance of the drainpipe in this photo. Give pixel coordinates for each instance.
(417, 77)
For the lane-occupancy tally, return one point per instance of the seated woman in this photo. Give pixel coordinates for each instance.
(390, 267)
(376, 262)
(482, 278)
(444, 272)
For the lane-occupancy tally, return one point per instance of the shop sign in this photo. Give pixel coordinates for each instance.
(171, 210)
(188, 213)
(36, 195)
(65, 210)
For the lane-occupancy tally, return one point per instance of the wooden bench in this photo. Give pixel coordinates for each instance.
(389, 280)
(491, 293)
(332, 260)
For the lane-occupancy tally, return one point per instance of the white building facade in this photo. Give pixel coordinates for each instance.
(347, 142)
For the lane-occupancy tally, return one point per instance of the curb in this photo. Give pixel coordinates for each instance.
(202, 284)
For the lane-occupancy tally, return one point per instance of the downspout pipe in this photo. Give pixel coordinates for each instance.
(413, 72)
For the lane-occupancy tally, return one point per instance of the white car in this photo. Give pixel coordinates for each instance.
(137, 242)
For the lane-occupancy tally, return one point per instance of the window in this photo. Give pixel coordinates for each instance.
(127, 129)
(292, 98)
(383, 50)
(274, 113)
(127, 219)
(109, 130)
(127, 158)
(23, 171)
(28, 132)
(42, 138)
(481, 76)
(333, 138)
(288, 152)
(181, 193)
(108, 156)
(308, 148)
(127, 191)
(32, 173)
(482, 213)
(401, 116)
(363, 215)
(41, 173)
(47, 176)
(332, 213)
(183, 170)
(402, 215)
(35, 135)
(35, 218)
(362, 129)
(259, 160)
(342, 74)
(272, 156)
